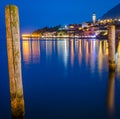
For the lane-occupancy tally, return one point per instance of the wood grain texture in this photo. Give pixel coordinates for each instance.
(14, 60)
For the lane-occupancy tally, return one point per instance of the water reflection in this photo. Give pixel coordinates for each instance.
(80, 55)
(87, 53)
(100, 53)
(18, 118)
(36, 51)
(80, 51)
(105, 47)
(72, 47)
(68, 49)
(49, 47)
(31, 51)
(111, 93)
(26, 48)
(63, 51)
(118, 59)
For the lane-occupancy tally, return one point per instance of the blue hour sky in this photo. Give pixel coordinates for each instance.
(35, 14)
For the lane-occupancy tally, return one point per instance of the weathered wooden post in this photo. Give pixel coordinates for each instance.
(111, 92)
(111, 47)
(14, 61)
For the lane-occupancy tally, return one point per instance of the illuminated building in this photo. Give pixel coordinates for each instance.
(94, 18)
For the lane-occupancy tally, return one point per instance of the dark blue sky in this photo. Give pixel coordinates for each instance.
(35, 14)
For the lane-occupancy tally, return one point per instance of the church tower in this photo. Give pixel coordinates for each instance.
(94, 18)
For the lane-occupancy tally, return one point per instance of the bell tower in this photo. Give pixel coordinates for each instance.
(94, 18)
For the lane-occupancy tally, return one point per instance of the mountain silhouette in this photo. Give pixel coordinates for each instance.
(112, 13)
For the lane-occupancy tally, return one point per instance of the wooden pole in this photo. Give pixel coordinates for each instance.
(111, 47)
(14, 61)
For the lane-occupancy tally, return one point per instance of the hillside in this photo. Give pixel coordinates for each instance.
(112, 13)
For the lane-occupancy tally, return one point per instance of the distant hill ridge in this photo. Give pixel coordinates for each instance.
(112, 13)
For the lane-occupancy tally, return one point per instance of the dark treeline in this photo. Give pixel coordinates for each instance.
(47, 29)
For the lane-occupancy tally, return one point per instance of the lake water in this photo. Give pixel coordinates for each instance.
(64, 79)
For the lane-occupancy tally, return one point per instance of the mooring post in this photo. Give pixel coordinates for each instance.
(111, 47)
(14, 60)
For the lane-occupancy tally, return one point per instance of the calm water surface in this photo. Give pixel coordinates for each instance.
(64, 79)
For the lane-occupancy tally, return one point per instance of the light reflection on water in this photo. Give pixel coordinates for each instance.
(64, 78)
(118, 59)
(31, 51)
(111, 93)
(84, 64)
(92, 50)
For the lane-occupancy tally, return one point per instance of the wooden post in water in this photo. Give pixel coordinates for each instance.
(14, 61)
(111, 47)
